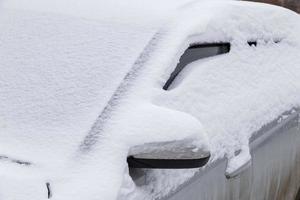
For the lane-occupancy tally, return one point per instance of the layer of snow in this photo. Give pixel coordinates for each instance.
(56, 77)
(232, 95)
(57, 73)
(81, 84)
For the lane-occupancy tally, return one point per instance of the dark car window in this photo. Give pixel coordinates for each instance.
(196, 52)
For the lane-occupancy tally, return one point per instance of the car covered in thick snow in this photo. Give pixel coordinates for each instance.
(148, 100)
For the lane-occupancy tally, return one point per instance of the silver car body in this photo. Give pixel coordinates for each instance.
(274, 171)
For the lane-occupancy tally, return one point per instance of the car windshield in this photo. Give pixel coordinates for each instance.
(57, 74)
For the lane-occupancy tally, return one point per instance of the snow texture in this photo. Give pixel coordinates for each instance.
(81, 83)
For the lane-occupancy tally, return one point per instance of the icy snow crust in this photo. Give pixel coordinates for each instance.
(79, 86)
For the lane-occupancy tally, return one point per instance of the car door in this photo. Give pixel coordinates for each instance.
(274, 171)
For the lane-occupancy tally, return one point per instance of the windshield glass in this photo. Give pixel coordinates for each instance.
(56, 75)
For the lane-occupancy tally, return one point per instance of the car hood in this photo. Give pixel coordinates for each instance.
(57, 73)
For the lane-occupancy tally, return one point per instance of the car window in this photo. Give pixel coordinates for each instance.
(196, 52)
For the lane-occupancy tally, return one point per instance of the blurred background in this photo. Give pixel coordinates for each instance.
(291, 4)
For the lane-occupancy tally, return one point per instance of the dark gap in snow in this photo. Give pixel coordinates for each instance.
(20, 162)
(252, 43)
(49, 190)
(196, 52)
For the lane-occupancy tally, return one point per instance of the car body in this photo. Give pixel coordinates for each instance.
(272, 173)
(85, 82)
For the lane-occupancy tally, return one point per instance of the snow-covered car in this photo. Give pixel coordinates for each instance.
(133, 100)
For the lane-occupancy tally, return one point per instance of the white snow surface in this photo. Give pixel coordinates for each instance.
(81, 83)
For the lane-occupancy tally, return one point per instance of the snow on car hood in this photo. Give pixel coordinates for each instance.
(57, 75)
(75, 87)
(59, 71)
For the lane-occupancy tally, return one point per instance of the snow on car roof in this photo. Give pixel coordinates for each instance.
(132, 11)
(62, 76)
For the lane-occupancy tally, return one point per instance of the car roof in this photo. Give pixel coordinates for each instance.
(132, 11)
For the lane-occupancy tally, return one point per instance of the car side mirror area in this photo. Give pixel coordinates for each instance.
(168, 155)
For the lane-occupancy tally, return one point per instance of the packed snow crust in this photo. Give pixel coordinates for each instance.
(81, 83)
